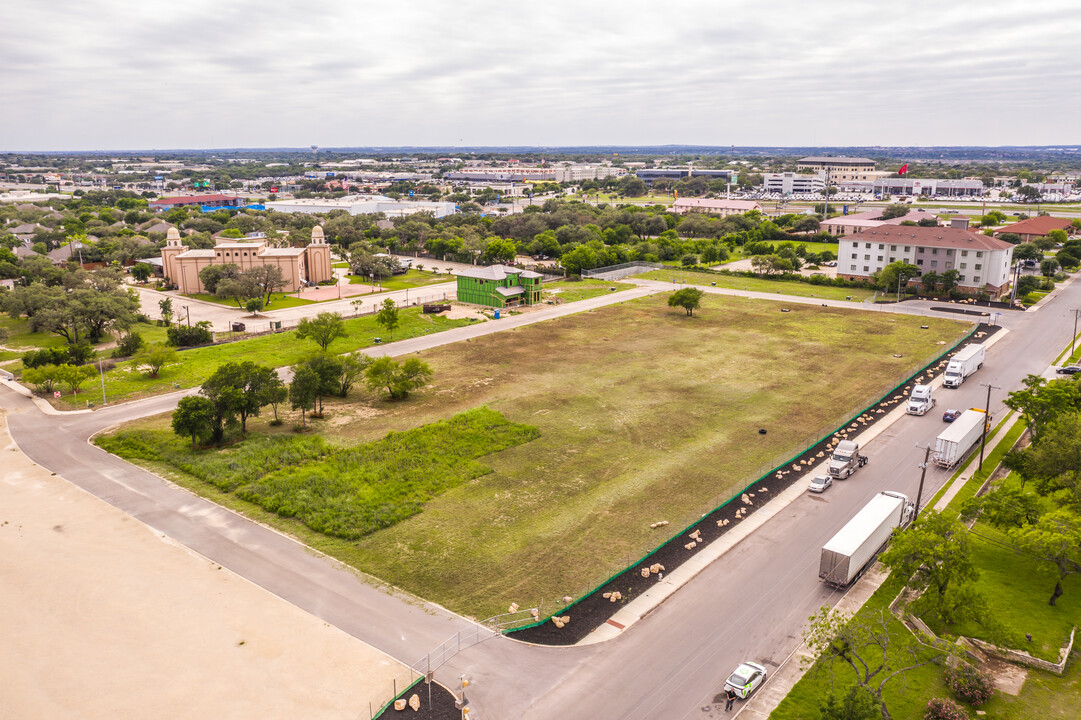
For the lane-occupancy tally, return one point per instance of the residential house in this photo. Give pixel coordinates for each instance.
(499, 286)
(1037, 227)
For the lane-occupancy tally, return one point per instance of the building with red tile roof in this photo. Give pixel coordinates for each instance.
(1037, 227)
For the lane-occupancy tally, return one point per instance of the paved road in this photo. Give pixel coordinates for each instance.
(750, 603)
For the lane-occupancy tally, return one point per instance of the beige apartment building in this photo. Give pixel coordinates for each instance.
(841, 169)
(299, 266)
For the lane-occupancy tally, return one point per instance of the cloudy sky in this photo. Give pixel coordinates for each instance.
(101, 74)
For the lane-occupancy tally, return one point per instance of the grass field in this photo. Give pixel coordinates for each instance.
(781, 287)
(275, 350)
(643, 413)
(411, 279)
(574, 290)
(278, 301)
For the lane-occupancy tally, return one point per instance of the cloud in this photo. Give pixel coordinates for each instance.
(115, 75)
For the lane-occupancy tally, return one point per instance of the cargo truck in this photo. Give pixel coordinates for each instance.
(920, 401)
(851, 550)
(968, 360)
(846, 459)
(956, 440)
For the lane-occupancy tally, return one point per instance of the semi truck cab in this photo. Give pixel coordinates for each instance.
(846, 459)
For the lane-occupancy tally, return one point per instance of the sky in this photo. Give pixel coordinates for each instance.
(156, 74)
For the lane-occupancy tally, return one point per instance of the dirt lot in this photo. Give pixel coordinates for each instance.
(102, 618)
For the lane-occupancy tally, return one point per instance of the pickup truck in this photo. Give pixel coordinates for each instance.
(846, 459)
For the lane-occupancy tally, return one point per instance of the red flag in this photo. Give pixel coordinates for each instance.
(903, 170)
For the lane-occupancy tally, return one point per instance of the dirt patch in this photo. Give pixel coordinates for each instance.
(441, 707)
(1009, 678)
(594, 609)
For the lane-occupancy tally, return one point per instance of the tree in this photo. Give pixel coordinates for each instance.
(1056, 539)
(153, 357)
(1029, 193)
(353, 367)
(1027, 251)
(212, 275)
(935, 550)
(141, 272)
(74, 376)
(894, 210)
(949, 279)
(388, 316)
(1049, 267)
(240, 289)
(1043, 401)
(896, 275)
(267, 277)
(397, 379)
(238, 390)
(688, 298)
(303, 391)
(929, 281)
(501, 249)
(867, 645)
(324, 329)
(194, 418)
(857, 704)
(328, 369)
(254, 305)
(276, 394)
(165, 306)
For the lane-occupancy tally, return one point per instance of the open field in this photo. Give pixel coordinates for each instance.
(278, 301)
(410, 280)
(274, 350)
(644, 414)
(781, 287)
(575, 290)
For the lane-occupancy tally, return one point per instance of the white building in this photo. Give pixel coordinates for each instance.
(983, 262)
(716, 206)
(363, 205)
(789, 183)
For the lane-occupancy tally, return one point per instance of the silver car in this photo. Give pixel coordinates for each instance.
(820, 483)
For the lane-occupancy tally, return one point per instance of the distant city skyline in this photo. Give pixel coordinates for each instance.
(105, 75)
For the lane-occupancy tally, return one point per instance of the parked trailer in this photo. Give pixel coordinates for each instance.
(851, 550)
(956, 440)
(968, 360)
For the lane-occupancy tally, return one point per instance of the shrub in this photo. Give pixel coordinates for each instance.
(184, 336)
(80, 354)
(971, 684)
(48, 356)
(943, 709)
(128, 345)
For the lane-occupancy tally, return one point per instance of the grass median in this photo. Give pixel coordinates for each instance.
(738, 282)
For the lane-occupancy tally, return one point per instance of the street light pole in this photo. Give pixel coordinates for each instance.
(1073, 337)
(102, 374)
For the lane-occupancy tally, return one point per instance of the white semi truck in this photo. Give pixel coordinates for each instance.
(851, 550)
(968, 360)
(920, 400)
(956, 440)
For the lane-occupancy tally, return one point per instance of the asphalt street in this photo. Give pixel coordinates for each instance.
(750, 604)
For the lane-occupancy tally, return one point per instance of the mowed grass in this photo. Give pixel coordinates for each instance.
(780, 287)
(275, 350)
(575, 290)
(278, 301)
(644, 414)
(410, 280)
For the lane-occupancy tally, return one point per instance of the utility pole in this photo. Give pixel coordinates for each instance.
(986, 420)
(923, 474)
(826, 192)
(1074, 336)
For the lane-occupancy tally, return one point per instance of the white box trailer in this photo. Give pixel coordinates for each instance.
(851, 550)
(956, 440)
(968, 360)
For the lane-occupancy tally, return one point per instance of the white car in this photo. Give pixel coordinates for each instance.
(746, 679)
(820, 483)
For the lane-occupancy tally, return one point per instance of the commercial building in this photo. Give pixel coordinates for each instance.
(983, 263)
(716, 206)
(677, 173)
(363, 205)
(212, 200)
(841, 169)
(790, 183)
(299, 266)
(1037, 227)
(928, 187)
(499, 286)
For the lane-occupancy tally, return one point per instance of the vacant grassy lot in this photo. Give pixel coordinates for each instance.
(411, 279)
(574, 290)
(644, 414)
(276, 350)
(781, 287)
(278, 301)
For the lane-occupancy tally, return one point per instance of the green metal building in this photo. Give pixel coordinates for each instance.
(499, 286)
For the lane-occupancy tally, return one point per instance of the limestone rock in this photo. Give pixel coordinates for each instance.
(607, 595)
(513, 608)
(691, 545)
(645, 572)
(567, 599)
(414, 702)
(662, 523)
(399, 704)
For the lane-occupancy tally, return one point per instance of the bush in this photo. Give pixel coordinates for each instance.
(48, 356)
(128, 345)
(971, 684)
(80, 354)
(943, 709)
(184, 336)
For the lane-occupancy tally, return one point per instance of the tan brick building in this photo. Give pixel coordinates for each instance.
(299, 266)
